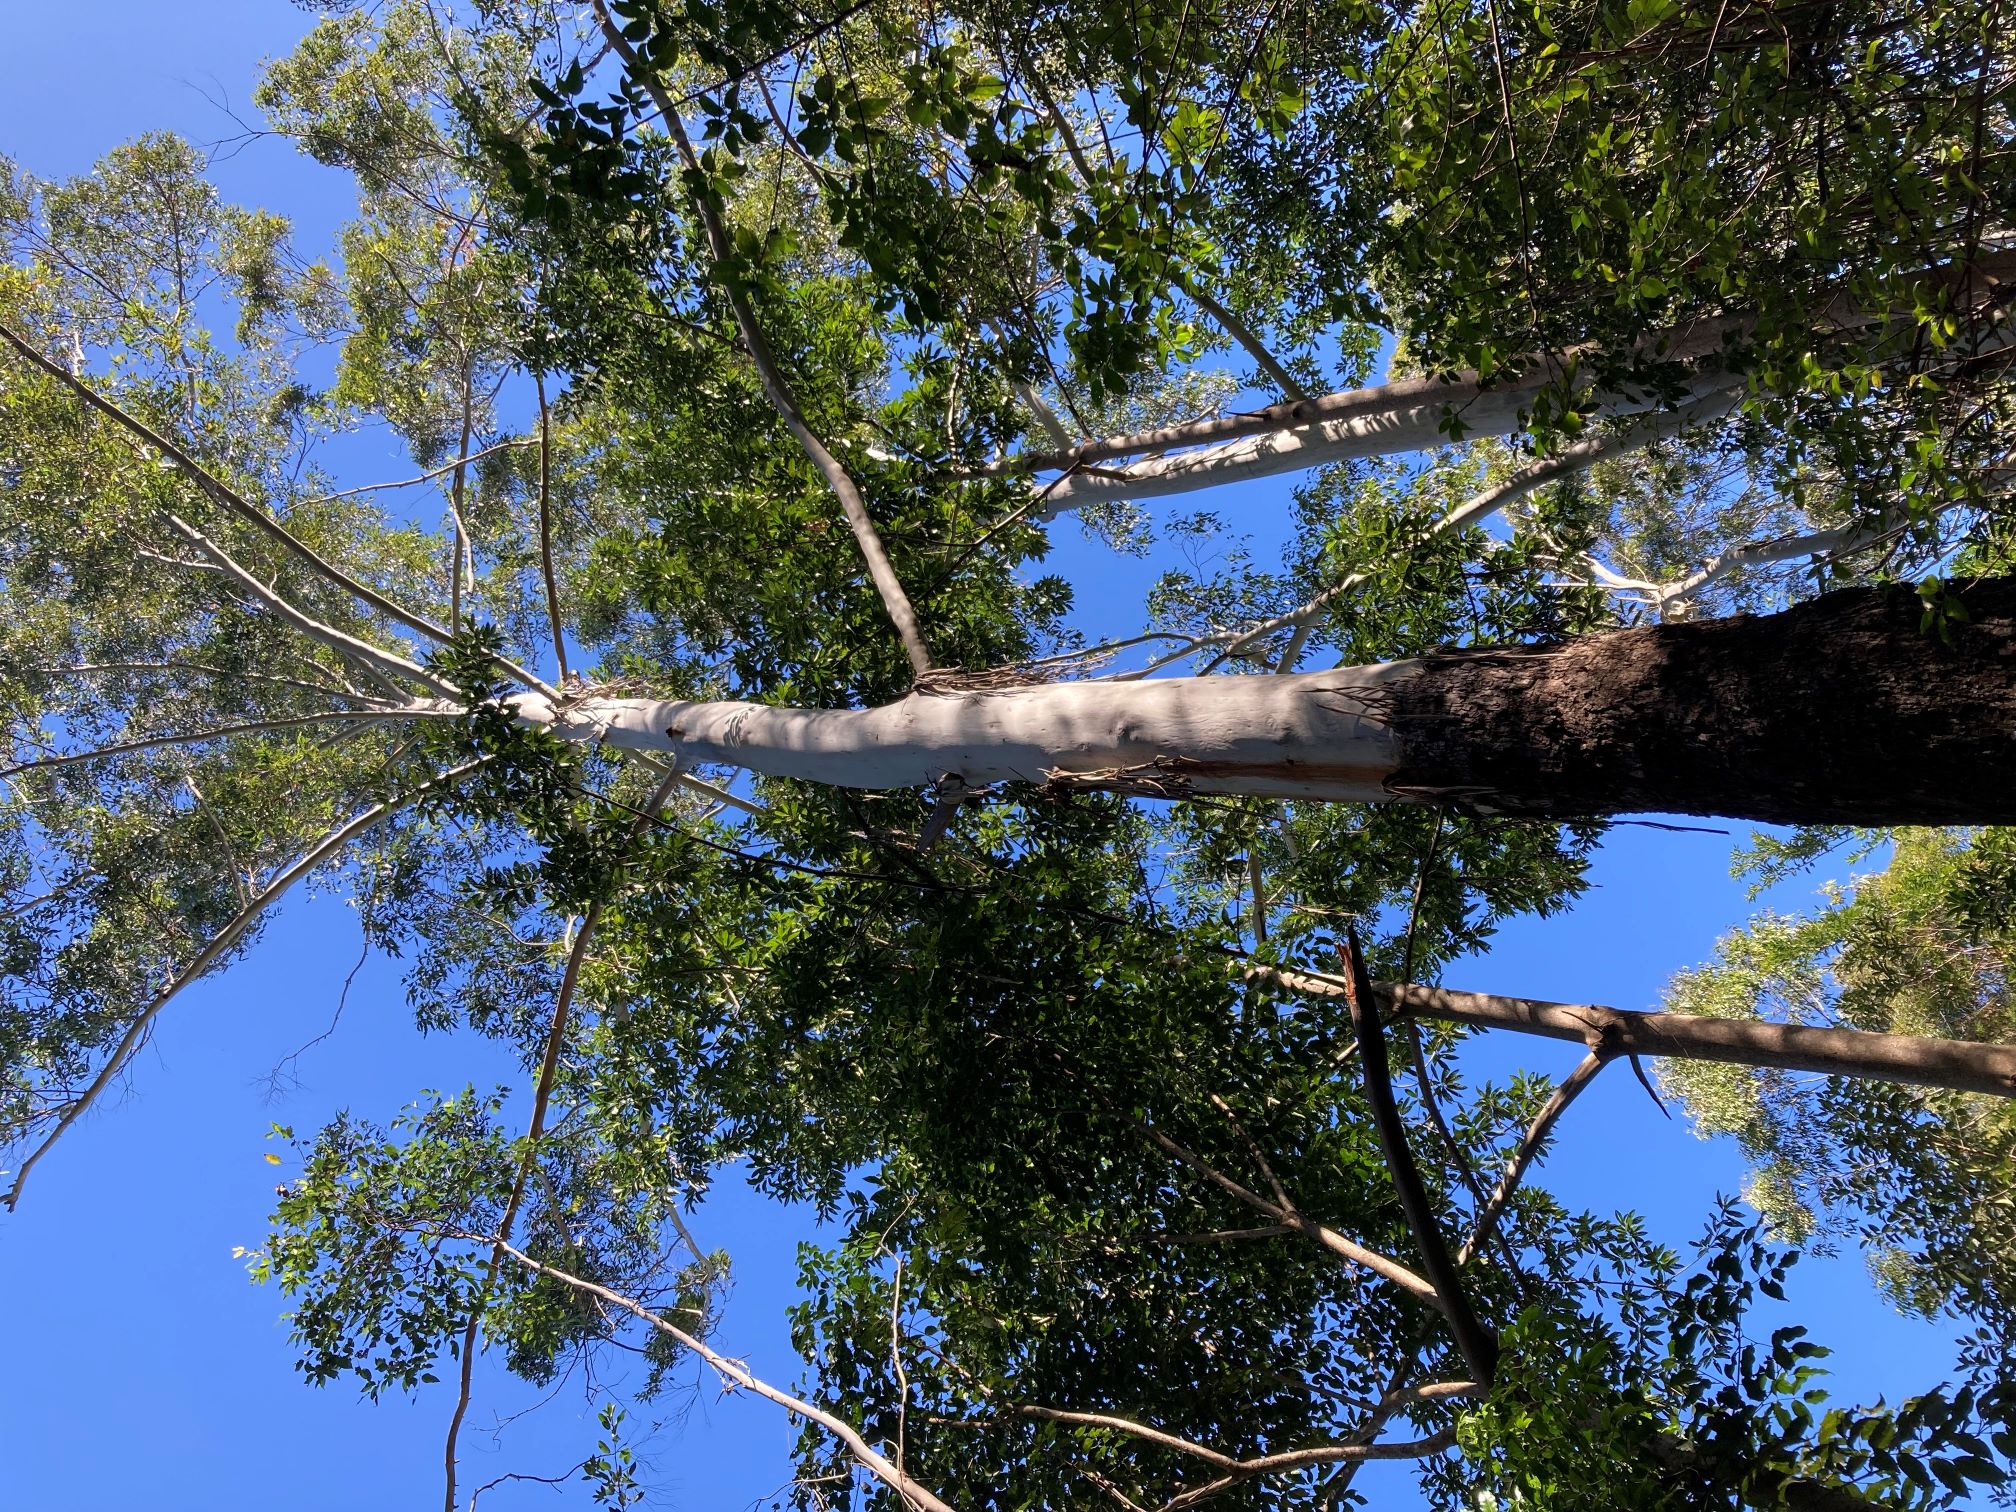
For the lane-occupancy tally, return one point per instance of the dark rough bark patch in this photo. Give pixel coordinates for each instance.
(1841, 710)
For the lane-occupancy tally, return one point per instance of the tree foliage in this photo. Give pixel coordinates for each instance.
(702, 324)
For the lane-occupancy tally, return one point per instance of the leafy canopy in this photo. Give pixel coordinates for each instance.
(1097, 1197)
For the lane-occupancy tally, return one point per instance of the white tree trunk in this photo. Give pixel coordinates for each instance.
(1307, 736)
(1409, 415)
(1401, 418)
(1842, 710)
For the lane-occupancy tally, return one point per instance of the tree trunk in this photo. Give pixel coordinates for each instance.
(1842, 710)
(1415, 414)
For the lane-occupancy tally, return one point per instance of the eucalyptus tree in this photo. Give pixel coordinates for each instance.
(698, 720)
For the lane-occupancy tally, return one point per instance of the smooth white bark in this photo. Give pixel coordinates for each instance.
(1414, 419)
(1311, 735)
(1410, 415)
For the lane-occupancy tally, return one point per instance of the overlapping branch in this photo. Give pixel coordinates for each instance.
(337, 640)
(1474, 1340)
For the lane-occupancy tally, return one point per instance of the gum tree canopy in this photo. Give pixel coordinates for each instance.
(698, 718)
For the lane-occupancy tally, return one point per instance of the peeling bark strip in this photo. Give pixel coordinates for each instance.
(1839, 711)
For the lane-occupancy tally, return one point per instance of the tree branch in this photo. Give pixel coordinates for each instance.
(1266, 1464)
(895, 602)
(426, 477)
(737, 1373)
(232, 931)
(542, 1093)
(1408, 414)
(1529, 1146)
(1329, 1239)
(1479, 1346)
(1238, 330)
(546, 526)
(248, 675)
(315, 629)
(1915, 1060)
(218, 732)
(1415, 1449)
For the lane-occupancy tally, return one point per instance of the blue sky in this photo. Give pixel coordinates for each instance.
(143, 1371)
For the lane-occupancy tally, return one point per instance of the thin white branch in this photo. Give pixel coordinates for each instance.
(328, 635)
(85, 668)
(738, 1374)
(1676, 599)
(215, 948)
(1046, 417)
(1266, 1464)
(1324, 1236)
(1404, 417)
(218, 732)
(426, 477)
(1244, 335)
(1410, 415)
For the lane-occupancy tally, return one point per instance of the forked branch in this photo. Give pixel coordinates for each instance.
(236, 504)
(738, 1374)
(337, 640)
(1240, 1469)
(1328, 1238)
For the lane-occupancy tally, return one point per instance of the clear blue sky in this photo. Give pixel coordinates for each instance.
(143, 1371)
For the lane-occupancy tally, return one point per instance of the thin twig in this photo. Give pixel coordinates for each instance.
(426, 477)
(218, 732)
